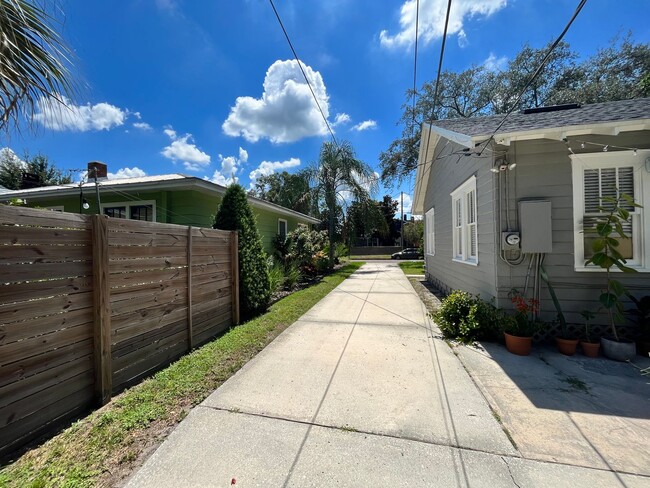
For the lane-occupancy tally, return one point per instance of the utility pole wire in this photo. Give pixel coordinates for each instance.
(295, 55)
(535, 74)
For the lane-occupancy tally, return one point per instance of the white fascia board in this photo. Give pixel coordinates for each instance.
(559, 133)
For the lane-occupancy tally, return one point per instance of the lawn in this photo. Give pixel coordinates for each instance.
(110, 443)
(412, 267)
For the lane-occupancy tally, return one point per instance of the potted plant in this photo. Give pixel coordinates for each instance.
(641, 316)
(566, 343)
(519, 329)
(589, 347)
(608, 229)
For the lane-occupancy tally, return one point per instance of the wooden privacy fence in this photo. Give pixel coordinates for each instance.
(90, 305)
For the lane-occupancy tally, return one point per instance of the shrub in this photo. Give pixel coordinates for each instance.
(467, 318)
(300, 248)
(292, 276)
(234, 213)
(276, 275)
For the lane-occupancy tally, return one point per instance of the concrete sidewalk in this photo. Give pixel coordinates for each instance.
(358, 392)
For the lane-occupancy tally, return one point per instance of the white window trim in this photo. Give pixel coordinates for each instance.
(130, 204)
(461, 193)
(430, 234)
(641, 195)
(286, 226)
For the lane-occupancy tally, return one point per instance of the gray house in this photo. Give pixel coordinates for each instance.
(497, 207)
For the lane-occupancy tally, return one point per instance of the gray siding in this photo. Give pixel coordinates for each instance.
(544, 171)
(445, 176)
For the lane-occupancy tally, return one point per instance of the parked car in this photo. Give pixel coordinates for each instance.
(409, 253)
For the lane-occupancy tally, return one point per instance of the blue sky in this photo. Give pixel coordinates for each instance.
(210, 88)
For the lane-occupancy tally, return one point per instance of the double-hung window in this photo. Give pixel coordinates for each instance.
(131, 210)
(429, 224)
(282, 228)
(600, 175)
(464, 223)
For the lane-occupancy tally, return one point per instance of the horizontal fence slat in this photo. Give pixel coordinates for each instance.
(212, 233)
(145, 251)
(155, 276)
(170, 296)
(37, 364)
(145, 240)
(18, 235)
(34, 403)
(144, 264)
(34, 346)
(120, 294)
(42, 218)
(130, 360)
(47, 271)
(42, 254)
(130, 325)
(18, 292)
(144, 227)
(14, 312)
(34, 327)
(52, 376)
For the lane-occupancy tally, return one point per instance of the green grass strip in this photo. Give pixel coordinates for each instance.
(412, 267)
(106, 446)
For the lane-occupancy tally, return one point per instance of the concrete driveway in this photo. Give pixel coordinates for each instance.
(358, 392)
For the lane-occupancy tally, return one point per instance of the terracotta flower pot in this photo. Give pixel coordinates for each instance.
(590, 349)
(518, 345)
(566, 346)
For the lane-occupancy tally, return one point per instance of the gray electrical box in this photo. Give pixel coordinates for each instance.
(535, 226)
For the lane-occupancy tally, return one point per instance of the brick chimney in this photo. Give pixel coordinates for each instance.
(97, 169)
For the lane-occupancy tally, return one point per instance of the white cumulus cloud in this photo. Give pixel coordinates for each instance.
(341, 118)
(142, 126)
(64, 115)
(122, 173)
(286, 111)
(269, 167)
(183, 149)
(230, 166)
(365, 125)
(432, 15)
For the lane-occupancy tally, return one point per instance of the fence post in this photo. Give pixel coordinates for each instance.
(190, 332)
(102, 310)
(234, 271)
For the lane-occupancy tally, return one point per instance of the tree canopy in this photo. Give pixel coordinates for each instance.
(289, 190)
(338, 177)
(42, 171)
(617, 72)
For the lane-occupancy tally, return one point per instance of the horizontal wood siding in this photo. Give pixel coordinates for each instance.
(445, 175)
(543, 171)
(47, 303)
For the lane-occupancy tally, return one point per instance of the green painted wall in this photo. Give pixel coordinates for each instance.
(183, 207)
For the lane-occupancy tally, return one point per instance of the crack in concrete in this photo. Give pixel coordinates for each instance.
(512, 477)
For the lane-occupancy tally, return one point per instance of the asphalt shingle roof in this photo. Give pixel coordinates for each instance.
(518, 122)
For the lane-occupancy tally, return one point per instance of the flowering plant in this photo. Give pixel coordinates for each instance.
(524, 323)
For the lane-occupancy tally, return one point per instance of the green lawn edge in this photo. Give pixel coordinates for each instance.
(412, 267)
(109, 443)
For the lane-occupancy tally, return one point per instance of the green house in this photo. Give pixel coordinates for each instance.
(171, 198)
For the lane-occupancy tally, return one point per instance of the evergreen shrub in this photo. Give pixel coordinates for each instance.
(235, 213)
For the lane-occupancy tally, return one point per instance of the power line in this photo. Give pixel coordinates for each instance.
(415, 57)
(435, 93)
(295, 55)
(536, 73)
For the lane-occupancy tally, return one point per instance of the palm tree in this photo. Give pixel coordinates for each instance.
(340, 176)
(33, 60)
